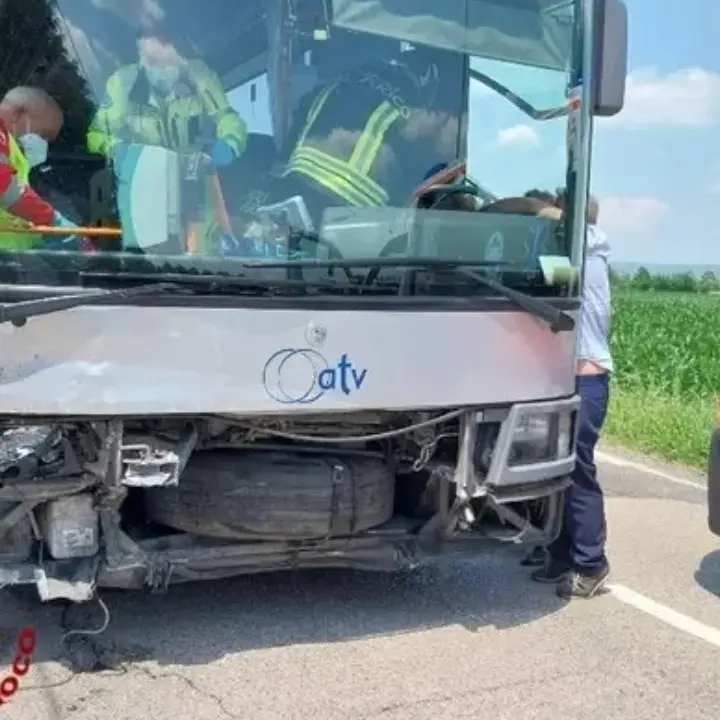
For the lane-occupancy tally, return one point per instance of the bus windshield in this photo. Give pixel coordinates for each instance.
(231, 138)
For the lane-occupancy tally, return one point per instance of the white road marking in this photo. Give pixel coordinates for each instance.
(671, 617)
(639, 467)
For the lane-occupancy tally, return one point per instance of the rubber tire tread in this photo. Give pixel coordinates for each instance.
(275, 495)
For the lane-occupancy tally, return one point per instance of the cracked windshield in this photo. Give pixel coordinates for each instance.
(166, 138)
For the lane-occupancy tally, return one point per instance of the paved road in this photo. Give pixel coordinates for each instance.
(471, 640)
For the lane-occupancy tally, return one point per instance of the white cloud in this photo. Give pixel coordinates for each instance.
(685, 98)
(518, 136)
(631, 214)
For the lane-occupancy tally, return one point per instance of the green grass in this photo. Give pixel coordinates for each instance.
(666, 348)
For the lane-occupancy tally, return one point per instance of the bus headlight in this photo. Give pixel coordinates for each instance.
(541, 437)
(565, 435)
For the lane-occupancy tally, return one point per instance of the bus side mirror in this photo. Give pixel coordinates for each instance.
(611, 57)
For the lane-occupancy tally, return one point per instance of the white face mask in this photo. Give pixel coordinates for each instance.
(34, 147)
(163, 79)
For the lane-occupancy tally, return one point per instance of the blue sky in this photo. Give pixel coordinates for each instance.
(656, 166)
(663, 151)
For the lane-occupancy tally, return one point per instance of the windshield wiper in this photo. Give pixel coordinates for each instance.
(18, 313)
(558, 320)
(183, 284)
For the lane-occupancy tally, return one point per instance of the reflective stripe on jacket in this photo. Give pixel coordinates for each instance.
(10, 240)
(348, 178)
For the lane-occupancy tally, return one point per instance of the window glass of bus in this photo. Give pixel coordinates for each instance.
(400, 104)
(519, 148)
(162, 86)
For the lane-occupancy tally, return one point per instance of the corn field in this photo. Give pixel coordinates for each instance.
(666, 348)
(668, 342)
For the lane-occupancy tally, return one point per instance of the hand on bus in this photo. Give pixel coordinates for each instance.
(61, 242)
(60, 221)
(68, 242)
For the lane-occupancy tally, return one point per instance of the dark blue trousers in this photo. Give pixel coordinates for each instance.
(582, 540)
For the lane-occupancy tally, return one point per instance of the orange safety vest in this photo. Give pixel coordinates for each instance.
(8, 239)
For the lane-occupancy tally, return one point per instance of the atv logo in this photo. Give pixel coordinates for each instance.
(301, 376)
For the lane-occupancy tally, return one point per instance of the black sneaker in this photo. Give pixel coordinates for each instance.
(553, 571)
(535, 558)
(582, 584)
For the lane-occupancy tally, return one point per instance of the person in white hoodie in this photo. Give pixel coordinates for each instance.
(576, 562)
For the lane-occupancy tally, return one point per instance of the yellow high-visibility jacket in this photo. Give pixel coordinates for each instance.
(10, 240)
(127, 115)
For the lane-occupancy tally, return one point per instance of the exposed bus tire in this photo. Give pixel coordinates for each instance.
(258, 495)
(714, 483)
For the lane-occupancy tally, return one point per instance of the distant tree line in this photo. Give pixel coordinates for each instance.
(686, 282)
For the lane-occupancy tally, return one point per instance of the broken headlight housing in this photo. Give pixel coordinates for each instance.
(542, 437)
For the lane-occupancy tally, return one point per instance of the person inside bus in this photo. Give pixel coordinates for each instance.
(170, 101)
(543, 195)
(367, 136)
(30, 119)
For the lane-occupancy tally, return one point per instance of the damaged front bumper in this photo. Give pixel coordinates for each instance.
(156, 563)
(107, 468)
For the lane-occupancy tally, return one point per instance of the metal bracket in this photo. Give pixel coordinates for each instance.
(465, 478)
(149, 465)
(11, 519)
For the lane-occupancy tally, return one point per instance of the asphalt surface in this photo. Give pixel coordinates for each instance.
(472, 639)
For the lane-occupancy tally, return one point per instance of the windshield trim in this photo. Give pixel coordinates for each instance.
(100, 263)
(12, 294)
(579, 147)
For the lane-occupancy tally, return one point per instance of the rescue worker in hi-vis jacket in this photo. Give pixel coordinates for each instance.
(176, 103)
(366, 137)
(167, 100)
(30, 119)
